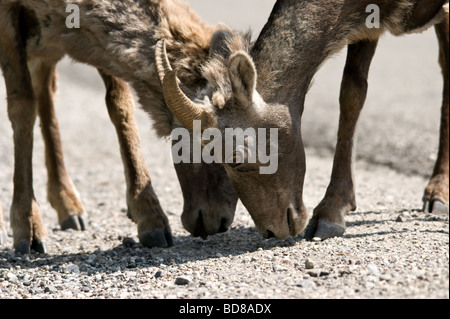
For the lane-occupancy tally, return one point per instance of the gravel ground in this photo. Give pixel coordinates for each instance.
(390, 250)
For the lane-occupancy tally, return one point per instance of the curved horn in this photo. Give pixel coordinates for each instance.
(163, 66)
(182, 106)
(161, 60)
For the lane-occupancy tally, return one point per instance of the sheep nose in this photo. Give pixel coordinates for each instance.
(269, 234)
(204, 229)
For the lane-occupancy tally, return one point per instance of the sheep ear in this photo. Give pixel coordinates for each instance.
(242, 72)
(219, 44)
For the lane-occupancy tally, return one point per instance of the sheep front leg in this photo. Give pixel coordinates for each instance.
(436, 194)
(329, 216)
(143, 204)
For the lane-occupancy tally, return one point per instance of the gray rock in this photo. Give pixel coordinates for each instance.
(181, 281)
(277, 267)
(73, 269)
(314, 272)
(50, 289)
(373, 269)
(318, 273)
(129, 242)
(306, 284)
(11, 277)
(309, 264)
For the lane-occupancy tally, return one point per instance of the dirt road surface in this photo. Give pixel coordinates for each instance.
(390, 250)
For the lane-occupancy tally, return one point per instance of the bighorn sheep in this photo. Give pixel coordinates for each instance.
(345, 23)
(118, 38)
(299, 36)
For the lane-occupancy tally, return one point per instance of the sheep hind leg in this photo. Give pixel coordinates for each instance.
(143, 204)
(436, 197)
(329, 216)
(61, 192)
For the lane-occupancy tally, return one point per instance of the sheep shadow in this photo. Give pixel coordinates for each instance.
(130, 254)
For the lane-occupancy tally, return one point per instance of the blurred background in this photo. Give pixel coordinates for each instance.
(398, 128)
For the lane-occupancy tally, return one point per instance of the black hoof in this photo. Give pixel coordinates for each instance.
(39, 246)
(327, 230)
(323, 230)
(83, 223)
(157, 238)
(74, 222)
(437, 207)
(310, 230)
(24, 247)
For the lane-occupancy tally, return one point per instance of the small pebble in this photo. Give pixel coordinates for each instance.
(317, 239)
(277, 267)
(50, 289)
(318, 273)
(306, 284)
(373, 269)
(314, 272)
(91, 258)
(309, 264)
(73, 269)
(128, 242)
(181, 281)
(11, 277)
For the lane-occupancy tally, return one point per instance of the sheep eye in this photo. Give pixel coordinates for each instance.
(237, 160)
